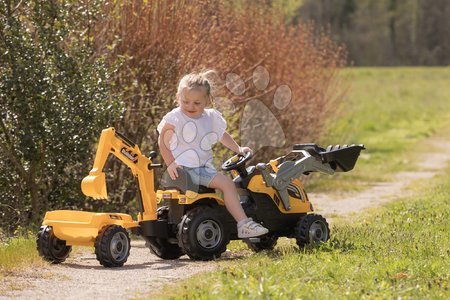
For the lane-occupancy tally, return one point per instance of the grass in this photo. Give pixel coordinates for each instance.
(17, 253)
(389, 110)
(399, 251)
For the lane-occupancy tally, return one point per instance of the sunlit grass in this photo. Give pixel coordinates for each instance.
(390, 110)
(399, 251)
(17, 253)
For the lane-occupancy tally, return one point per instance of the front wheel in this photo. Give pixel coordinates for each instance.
(112, 246)
(312, 229)
(50, 247)
(202, 234)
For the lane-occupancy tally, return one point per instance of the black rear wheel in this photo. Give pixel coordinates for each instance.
(202, 234)
(161, 247)
(112, 246)
(312, 229)
(50, 247)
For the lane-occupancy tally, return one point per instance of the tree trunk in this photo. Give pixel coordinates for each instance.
(35, 197)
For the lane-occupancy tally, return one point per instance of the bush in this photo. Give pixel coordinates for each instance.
(55, 99)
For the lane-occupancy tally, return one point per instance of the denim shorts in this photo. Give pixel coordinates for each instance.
(202, 175)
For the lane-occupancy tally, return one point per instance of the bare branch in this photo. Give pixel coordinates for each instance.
(17, 7)
(18, 166)
(6, 150)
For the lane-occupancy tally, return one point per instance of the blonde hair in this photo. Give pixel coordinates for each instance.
(195, 81)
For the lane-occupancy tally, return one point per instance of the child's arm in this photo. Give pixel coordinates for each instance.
(228, 141)
(163, 142)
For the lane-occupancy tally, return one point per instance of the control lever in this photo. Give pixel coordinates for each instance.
(269, 182)
(265, 174)
(290, 170)
(284, 196)
(151, 166)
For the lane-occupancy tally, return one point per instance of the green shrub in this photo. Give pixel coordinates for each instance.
(55, 98)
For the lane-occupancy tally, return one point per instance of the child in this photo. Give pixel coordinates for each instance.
(187, 134)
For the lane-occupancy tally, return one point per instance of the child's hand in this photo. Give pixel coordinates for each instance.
(172, 170)
(243, 150)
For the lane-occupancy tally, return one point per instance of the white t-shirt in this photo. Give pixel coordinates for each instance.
(193, 138)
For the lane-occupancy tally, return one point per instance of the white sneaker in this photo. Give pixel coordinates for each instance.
(251, 229)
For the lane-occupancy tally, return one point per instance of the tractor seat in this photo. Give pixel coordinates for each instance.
(183, 183)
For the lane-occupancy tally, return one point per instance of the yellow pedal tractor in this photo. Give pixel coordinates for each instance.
(194, 221)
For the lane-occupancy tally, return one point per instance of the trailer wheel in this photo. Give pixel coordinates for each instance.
(312, 229)
(161, 246)
(266, 242)
(50, 247)
(112, 246)
(202, 234)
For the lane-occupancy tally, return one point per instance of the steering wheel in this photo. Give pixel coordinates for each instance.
(237, 162)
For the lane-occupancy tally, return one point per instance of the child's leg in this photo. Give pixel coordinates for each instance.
(230, 195)
(246, 227)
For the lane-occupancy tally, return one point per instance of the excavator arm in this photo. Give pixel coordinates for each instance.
(112, 142)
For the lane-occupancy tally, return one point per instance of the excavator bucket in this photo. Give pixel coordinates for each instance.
(94, 186)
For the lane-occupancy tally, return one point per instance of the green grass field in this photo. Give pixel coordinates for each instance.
(389, 110)
(398, 251)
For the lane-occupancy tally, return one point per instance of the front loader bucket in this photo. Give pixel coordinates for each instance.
(342, 159)
(94, 186)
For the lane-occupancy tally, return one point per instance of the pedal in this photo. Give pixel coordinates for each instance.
(172, 241)
(254, 240)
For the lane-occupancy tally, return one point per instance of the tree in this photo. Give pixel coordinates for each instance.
(54, 100)
(385, 32)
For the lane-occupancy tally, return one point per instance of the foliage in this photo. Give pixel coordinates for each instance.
(55, 99)
(163, 40)
(387, 32)
(401, 250)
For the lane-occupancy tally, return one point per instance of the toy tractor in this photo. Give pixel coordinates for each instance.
(194, 220)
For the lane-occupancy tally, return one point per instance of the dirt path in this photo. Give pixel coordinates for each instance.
(81, 277)
(428, 165)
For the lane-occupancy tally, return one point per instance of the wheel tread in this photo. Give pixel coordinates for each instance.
(301, 230)
(102, 246)
(192, 250)
(44, 244)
